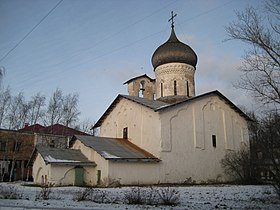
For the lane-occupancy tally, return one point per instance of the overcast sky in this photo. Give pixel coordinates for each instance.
(91, 47)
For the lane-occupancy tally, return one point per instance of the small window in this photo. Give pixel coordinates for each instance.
(2, 146)
(175, 87)
(125, 133)
(214, 141)
(161, 89)
(16, 146)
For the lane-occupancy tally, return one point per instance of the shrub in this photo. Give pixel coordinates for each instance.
(169, 196)
(95, 195)
(10, 192)
(44, 194)
(134, 196)
(83, 195)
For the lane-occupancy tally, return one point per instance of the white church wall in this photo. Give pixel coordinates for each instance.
(134, 172)
(188, 151)
(143, 125)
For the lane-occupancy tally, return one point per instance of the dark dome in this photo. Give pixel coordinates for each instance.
(174, 51)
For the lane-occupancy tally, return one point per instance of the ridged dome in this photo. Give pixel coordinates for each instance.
(174, 51)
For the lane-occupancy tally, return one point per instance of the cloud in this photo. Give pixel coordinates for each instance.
(220, 72)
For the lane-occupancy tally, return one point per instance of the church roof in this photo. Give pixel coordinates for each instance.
(152, 104)
(63, 156)
(141, 76)
(157, 105)
(174, 51)
(116, 149)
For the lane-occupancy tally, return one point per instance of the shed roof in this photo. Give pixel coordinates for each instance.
(63, 156)
(116, 149)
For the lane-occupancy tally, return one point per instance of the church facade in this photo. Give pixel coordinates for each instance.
(189, 134)
(161, 132)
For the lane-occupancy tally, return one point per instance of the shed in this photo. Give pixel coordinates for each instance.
(53, 166)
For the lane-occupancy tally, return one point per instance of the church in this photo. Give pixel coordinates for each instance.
(161, 132)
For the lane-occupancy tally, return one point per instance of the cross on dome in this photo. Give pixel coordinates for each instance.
(172, 19)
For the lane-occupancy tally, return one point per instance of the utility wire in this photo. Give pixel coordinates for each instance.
(11, 50)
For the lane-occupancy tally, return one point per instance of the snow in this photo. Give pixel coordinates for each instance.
(107, 155)
(50, 159)
(191, 197)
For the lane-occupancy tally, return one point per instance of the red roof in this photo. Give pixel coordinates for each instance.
(56, 129)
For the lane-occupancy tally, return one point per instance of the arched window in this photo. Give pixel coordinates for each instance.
(188, 89)
(142, 88)
(161, 89)
(175, 87)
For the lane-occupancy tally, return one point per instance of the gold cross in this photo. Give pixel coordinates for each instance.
(172, 19)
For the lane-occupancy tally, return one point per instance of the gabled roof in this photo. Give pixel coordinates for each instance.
(157, 105)
(116, 149)
(56, 129)
(152, 104)
(63, 156)
(134, 78)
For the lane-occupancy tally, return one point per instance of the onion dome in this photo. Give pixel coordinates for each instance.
(174, 51)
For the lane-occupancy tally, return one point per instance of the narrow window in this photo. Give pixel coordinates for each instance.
(125, 131)
(142, 88)
(98, 177)
(161, 89)
(175, 87)
(214, 143)
(188, 90)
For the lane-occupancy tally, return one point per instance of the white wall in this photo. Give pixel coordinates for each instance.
(143, 125)
(134, 172)
(187, 150)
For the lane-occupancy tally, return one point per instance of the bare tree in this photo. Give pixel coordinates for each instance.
(18, 112)
(238, 165)
(5, 100)
(36, 105)
(62, 109)
(55, 107)
(269, 145)
(70, 111)
(85, 126)
(261, 65)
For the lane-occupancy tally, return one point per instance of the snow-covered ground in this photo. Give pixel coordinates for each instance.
(190, 197)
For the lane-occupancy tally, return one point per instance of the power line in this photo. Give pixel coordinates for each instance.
(11, 50)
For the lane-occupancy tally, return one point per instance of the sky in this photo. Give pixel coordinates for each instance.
(92, 47)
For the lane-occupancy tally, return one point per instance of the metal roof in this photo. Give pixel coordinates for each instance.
(116, 149)
(63, 156)
(152, 104)
(158, 105)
